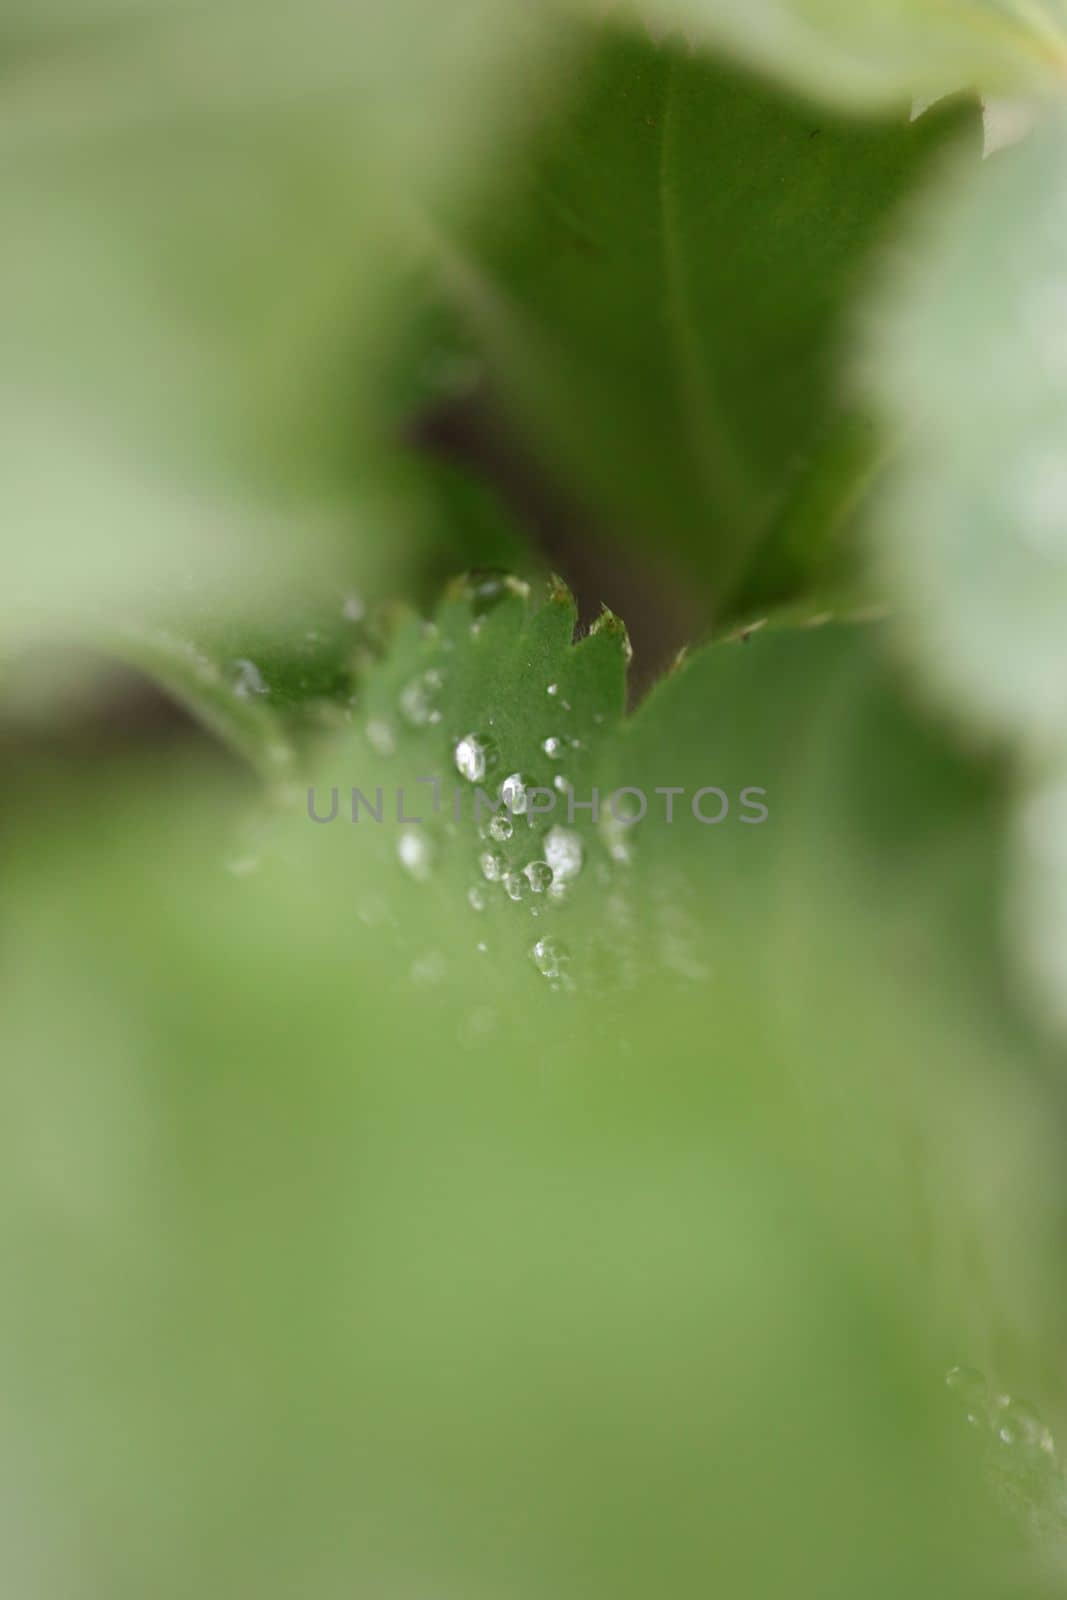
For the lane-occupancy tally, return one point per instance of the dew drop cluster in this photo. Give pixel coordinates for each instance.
(1018, 1448)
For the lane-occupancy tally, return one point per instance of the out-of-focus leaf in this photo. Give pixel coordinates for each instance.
(270, 676)
(970, 360)
(664, 292)
(877, 52)
(203, 214)
(872, 827)
(355, 1252)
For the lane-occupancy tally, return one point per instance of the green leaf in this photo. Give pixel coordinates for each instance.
(789, 938)
(206, 215)
(266, 687)
(664, 295)
(885, 51)
(971, 539)
(968, 363)
(423, 1269)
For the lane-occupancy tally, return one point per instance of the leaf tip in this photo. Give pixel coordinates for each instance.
(611, 626)
(559, 593)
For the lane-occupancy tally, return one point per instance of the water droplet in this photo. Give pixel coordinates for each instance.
(474, 756)
(353, 609)
(1019, 1424)
(617, 835)
(416, 853)
(492, 864)
(246, 679)
(515, 885)
(553, 748)
(971, 1390)
(513, 794)
(486, 590)
(539, 876)
(564, 854)
(500, 827)
(476, 897)
(418, 700)
(550, 957)
(413, 704)
(381, 738)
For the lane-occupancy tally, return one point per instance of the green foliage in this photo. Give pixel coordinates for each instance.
(972, 531)
(388, 1229)
(403, 1199)
(968, 359)
(203, 235)
(663, 288)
